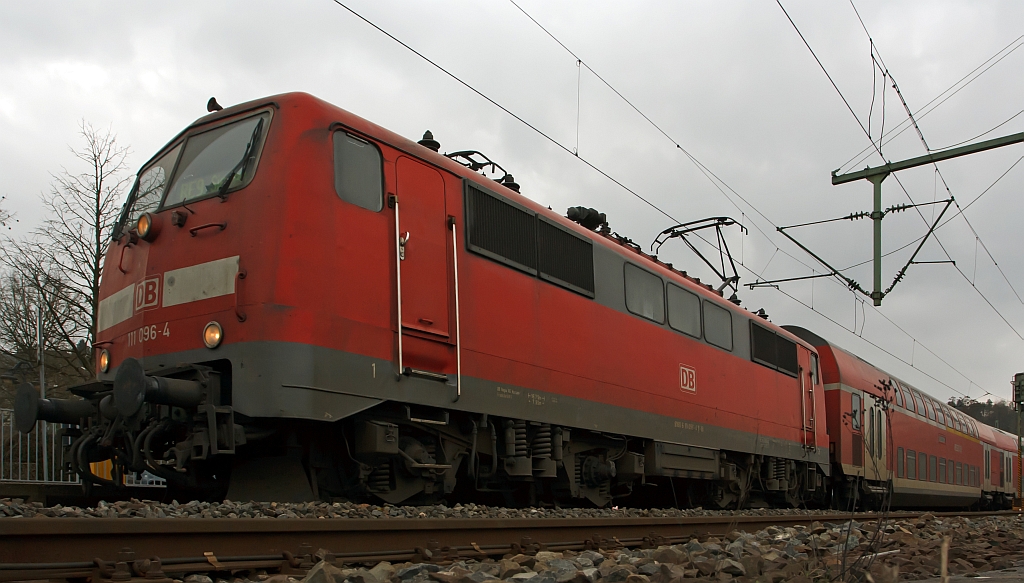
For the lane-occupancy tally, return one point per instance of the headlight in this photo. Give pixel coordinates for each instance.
(212, 335)
(104, 360)
(147, 226)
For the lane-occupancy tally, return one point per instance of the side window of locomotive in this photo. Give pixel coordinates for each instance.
(645, 294)
(150, 187)
(717, 326)
(218, 161)
(683, 311)
(358, 172)
(814, 368)
(772, 350)
(855, 412)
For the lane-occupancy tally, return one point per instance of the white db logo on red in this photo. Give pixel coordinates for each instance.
(687, 378)
(147, 293)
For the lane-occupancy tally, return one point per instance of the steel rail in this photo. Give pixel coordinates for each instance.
(66, 548)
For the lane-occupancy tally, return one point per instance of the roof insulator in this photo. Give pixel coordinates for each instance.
(428, 141)
(762, 314)
(212, 105)
(510, 183)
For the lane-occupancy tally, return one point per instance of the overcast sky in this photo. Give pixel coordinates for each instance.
(731, 82)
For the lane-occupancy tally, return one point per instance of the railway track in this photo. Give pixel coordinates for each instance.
(119, 549)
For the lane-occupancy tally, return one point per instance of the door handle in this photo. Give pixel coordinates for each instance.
(402, 241)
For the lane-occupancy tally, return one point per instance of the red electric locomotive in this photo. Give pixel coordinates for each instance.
(300, 304)
(889, 438)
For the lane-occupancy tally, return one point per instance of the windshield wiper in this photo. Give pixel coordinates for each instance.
(244, 162)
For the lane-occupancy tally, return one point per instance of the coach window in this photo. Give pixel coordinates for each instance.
(959, 474)
(645, 294)
(949, 416)
(855, 412)
(932, 468)
(930, 409)
(358, 172)
(683, 311)
(938, 413)
(717, 325)
(899, 462)
(920, 403)
(942, 470)
(897, 394)
(878, 436)
(911, 464)
(950, 478)
(870, 433)
(922, 465)
(814, 368)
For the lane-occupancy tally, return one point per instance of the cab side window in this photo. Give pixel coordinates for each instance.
(358, 171)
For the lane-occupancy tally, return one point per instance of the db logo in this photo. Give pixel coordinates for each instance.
(147, 293)
(687, 378)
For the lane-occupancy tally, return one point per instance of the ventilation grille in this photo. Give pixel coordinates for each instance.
(517, 237)
(501, 231)
(565, 258)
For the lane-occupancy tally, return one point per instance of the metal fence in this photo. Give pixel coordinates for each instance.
(38, 456)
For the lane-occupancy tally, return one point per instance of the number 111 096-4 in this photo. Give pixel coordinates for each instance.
(148, 333)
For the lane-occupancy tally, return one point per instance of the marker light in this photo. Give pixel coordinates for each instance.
(212, 335)
(147, 226)
(104, 360)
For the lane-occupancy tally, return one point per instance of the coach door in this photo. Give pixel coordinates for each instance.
(874, 440)
(422, 248)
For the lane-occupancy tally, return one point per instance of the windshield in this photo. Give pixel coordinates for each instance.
(218, 159)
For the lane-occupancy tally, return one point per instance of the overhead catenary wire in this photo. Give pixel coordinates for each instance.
(928, 108)
(622, 185)
(716, 181)
(977, 236)
(896, 177)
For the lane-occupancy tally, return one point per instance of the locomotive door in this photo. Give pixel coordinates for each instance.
(424, 291)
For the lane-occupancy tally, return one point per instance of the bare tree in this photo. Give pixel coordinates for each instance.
(6, 218)
(62, 260)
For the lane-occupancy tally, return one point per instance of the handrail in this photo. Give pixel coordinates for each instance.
(398, 280)
(194, 230)
(238, 290)
(458, 332)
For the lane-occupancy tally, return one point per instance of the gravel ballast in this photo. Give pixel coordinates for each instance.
(905, 549)
(15, 508)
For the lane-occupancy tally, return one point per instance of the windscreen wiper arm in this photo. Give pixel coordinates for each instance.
(244, 162)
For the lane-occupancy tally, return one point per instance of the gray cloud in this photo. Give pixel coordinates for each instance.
(731, 82)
